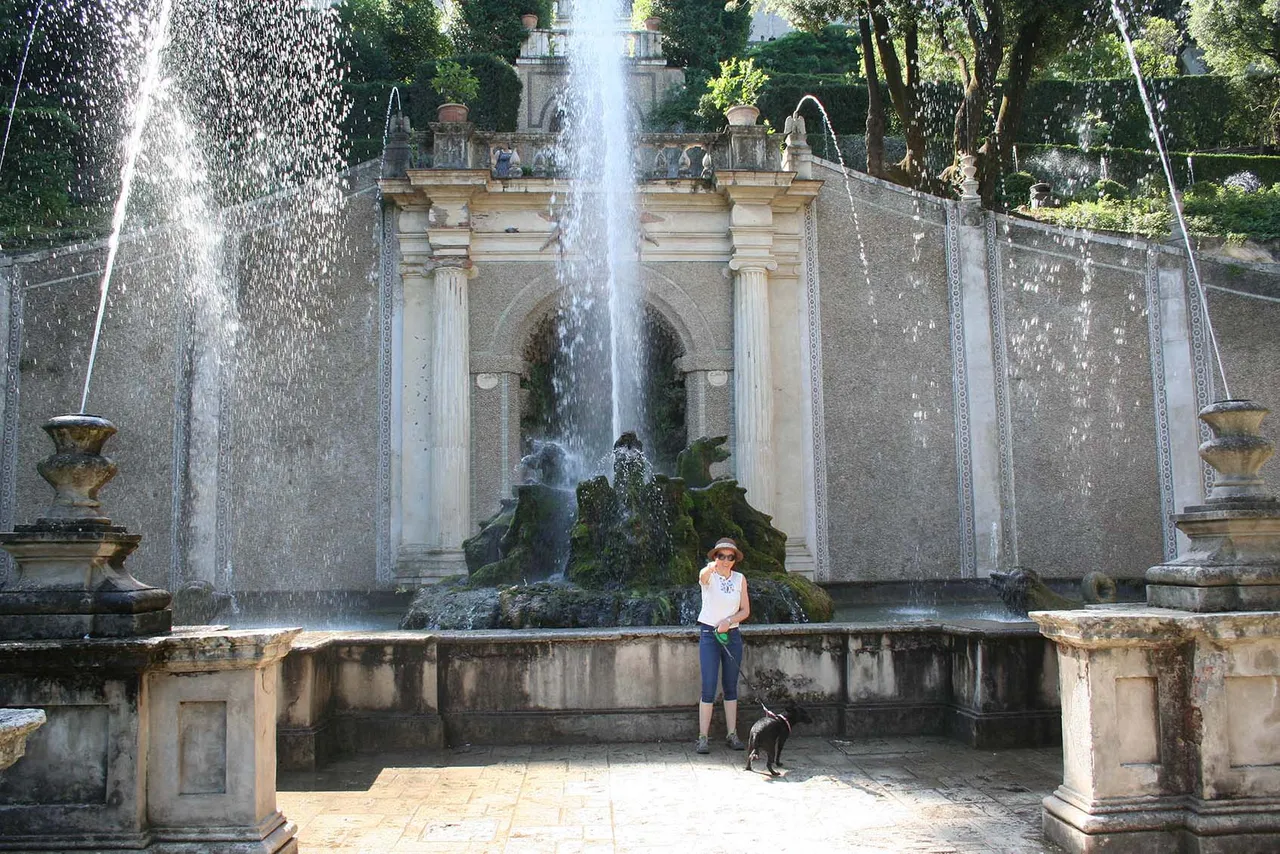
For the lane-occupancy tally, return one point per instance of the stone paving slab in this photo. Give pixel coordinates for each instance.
(917, 795)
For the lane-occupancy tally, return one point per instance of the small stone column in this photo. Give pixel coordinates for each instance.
(449, 497)
(753, 381)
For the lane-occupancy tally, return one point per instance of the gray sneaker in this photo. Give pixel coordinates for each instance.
(702, 747)
(732, 742)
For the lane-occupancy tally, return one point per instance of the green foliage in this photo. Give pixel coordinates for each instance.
(1237, 36)
(497, 110)
(677, 112)
(703, 33)
(1214, 209)
(739, 82)
(455, 83)
(1147, 217)
(493, 26)
(833, 50)
(1131, 167)
(1106, 189)
(388, 39)
(1156, 44)
(1210, 210)
(1015, 188)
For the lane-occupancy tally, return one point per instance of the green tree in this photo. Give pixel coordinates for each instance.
(703, 33)
(1241, 38)
(493, 26)
(1156, 43)
(832, 50)
(389, 39)
(1237, 36)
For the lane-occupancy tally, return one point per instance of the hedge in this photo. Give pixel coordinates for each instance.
(1129, 166)
(1195, 112)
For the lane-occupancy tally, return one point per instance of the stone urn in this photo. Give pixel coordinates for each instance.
(1236, 451)
(742, 115)
(70, 579)
(530, 22)
(652, 24)
(452, 112)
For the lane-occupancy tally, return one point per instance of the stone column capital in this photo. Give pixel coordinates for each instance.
(763, 265)
(450, 262)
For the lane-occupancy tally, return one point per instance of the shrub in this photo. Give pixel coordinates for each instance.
(702, 33)
(739, 82)
(498, 110)
(1015, 188)
(493, 26)
(1107, 189)
(455, 83)
(834, 50)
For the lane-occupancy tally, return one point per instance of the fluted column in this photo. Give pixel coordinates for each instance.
(753, 381)
(449, 496)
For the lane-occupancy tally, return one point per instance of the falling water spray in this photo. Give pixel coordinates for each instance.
(1173, 188)
(141, 111)
(17, 84)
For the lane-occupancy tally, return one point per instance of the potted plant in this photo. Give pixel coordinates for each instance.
(734, 92)
(457, 85)
(529, 20)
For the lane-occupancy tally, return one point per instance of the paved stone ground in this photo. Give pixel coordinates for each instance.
(894, 795)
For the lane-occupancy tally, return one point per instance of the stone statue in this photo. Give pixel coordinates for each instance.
(693, 464)
(1022, 591)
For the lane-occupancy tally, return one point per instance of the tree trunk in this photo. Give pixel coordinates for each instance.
(987, 38)
(1022, 60)
(875, 104)
(904, 95)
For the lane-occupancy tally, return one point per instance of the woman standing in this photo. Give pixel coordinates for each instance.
(724, 606)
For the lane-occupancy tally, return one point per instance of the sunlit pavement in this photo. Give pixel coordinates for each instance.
(920, 794)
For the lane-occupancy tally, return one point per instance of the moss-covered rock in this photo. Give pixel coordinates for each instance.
(530, 541)
(452, 604)
(721, 510)
(693, 464)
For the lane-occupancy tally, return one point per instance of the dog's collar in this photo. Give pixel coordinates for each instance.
(779, 717)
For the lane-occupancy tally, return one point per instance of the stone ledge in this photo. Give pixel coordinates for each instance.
(15, 726)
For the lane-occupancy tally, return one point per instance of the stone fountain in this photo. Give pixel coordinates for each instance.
(1171, 712)
(156, 739)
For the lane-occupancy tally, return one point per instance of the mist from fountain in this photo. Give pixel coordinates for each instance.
(601, 321)
(17, 83)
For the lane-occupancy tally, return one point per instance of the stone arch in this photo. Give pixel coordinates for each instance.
(540, 296)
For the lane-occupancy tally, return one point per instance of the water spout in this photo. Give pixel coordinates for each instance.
(141, 112)
(17, 84)
(1173, 189)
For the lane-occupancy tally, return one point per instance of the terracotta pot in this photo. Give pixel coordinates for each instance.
(530, 21)
(452, 113)
(742, 115)
(652, 24)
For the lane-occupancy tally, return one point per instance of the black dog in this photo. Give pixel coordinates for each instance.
(771, 732)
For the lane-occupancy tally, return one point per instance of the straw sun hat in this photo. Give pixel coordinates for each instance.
(725, 543)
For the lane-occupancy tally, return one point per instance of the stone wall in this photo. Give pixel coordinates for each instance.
(952, 392)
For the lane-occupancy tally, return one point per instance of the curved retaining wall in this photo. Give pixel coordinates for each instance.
(985, 683)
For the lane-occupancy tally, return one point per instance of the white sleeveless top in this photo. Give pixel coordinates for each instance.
(721, 597)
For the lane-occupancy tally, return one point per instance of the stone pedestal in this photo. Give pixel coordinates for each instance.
(1171, 718)
(1233, 562)
(164, 744)
(1171, 730)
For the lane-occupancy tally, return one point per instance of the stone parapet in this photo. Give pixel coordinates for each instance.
(1171, 741)
(986, 684)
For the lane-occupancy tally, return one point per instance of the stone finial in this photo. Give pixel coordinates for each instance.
(1236, 452)
(1040, 194)
(969, 185)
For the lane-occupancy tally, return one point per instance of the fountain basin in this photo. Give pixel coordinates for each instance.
(984, 683)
